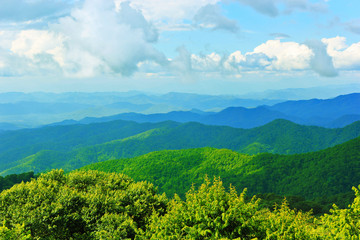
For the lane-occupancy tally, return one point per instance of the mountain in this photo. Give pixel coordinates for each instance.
(317, 112)
(344, 120)
(238, 117)
(324, 173)
(243, 117)
(41, 108)
(71, 147)
(177, 116)
(15, 145)
(336, 112)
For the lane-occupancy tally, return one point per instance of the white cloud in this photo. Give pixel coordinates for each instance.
(231, 64)
(207, 63)
(271, 56)
(100, 37)
(33, 43)
(118, 39)
(344, 56)
(285, 55)
(94, 39)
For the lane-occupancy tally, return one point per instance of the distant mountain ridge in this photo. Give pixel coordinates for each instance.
(28, 110)
(318, 111)
(335, 112)
(74, 146)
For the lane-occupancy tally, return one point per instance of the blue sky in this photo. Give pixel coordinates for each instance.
(204, 46)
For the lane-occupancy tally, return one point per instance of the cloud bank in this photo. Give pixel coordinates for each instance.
(103, 37)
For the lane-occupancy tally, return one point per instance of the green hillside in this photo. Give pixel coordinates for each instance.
(279, 136)
(324, 173)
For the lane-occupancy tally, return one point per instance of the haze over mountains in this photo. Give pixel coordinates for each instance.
(335, 112)
(19, 110)
(24, 110)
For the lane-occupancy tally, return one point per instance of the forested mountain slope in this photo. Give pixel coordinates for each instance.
(323, 173)
(15, 145)
(64, 151)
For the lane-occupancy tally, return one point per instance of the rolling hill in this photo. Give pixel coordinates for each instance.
(71, 147)
(323, 173)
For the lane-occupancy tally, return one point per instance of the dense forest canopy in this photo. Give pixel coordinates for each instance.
(311, 175)
(98, 205)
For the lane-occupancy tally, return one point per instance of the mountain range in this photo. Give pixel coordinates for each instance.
(28, 110)
(73, 146)
(336, 112)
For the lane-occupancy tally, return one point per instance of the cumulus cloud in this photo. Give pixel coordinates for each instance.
(209, 63)
(285, 55)
(277, 56)
(210, 16)
(344, 56)
(273, 8)
(34, 43)
(95, 38)
(321, 62)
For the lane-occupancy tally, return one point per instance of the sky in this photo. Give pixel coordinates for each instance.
(202, 46)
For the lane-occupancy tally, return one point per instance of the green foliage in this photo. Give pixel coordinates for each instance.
(285, 223)
(98, 205)
(343, 223)
(16, 232)
(80, 205)
(209, 212)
